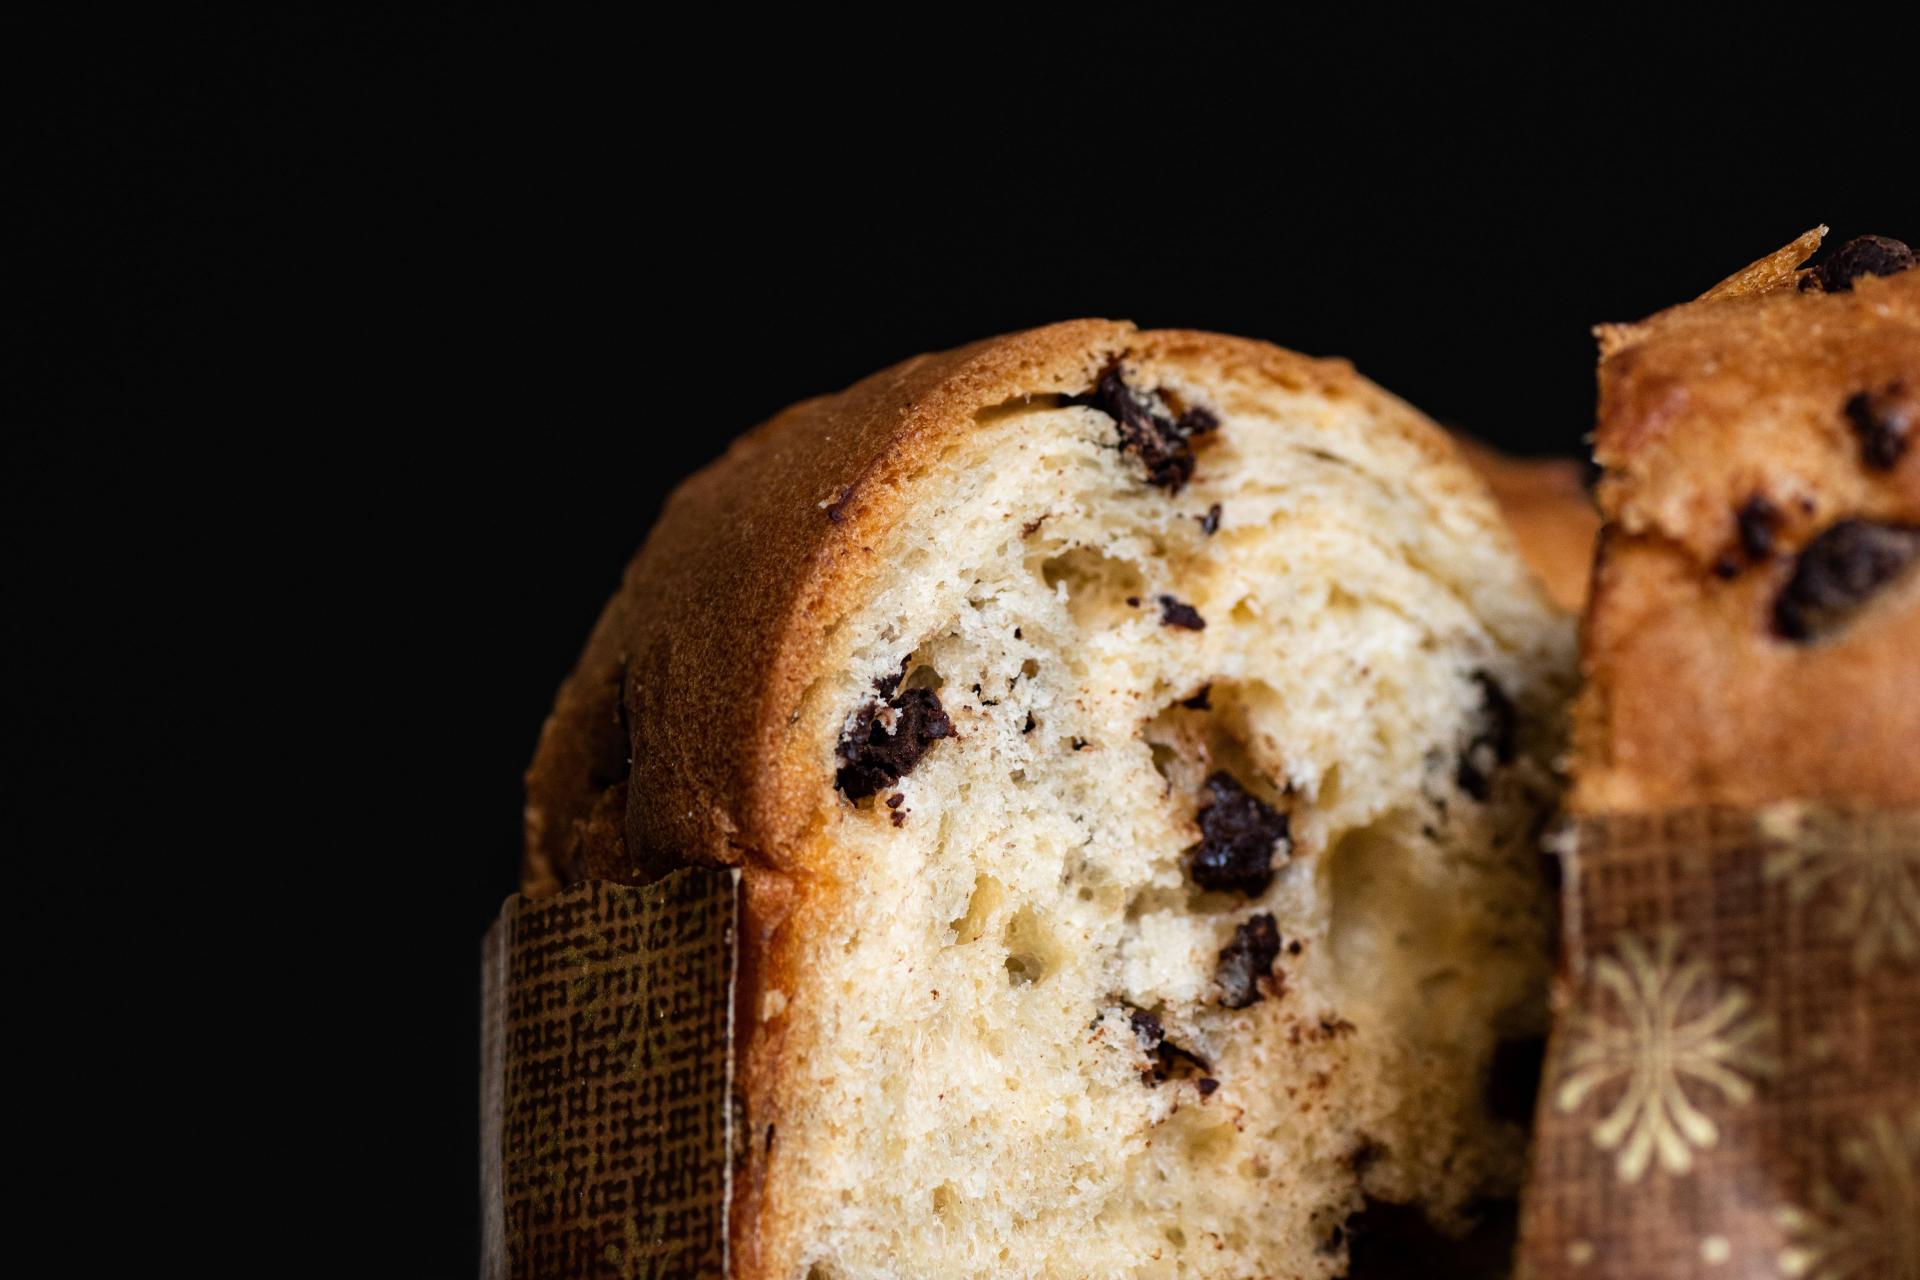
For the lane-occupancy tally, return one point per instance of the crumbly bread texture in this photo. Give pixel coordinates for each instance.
(1755, 624)
(1135, 745)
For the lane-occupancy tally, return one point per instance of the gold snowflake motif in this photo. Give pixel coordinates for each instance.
(1877, 893)
(1874, 1233)
(1653, 1045)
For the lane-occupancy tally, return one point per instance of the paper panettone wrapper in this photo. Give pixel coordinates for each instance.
(607, 1080)
(1732, 1087)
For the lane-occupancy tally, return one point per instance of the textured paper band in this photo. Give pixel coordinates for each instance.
(1733, 1085)
(607, 1076)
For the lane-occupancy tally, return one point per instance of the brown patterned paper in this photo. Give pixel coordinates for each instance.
(606, 1075)
(1733, 1087)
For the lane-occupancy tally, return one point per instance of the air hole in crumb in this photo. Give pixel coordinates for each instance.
(1097, 586)
(1030, 668)
(923, 677)
(988, 894)
(945, 1200)
(1033, 953)
(1205, 1140)
(1176, 1237)
(1164, 758)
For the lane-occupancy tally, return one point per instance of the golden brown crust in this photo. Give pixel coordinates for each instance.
(1738, 403)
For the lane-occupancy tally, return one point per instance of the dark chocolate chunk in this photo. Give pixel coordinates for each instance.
(1196, 422)
(1246, 960)
(871, 757)
(1492, 744)
(1161, 443)
(1210, 522)
(1169, 1059)
(1239, 835)
(1884, 421)
(895, 800)
(1199, 701)
(1755, 521)
(1206, 1085)
(1838, 572)
(1185, 616)
(1861, 256)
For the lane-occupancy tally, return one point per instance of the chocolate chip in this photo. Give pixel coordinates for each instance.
(1246, 960)
(1196, 422)
(1492, 744)
(1755, 521)
(1239, 834)
(895, 800)
(1133, 602)
(1161, 443)
(1185, 616)
(1727, 566)
(1860, 256)
(1884, 420)
(871, 757)
(899, 817)
(1206, 1085)
(1210, 522)
(1199, 701)
(1169, 1059)
(1839, 572)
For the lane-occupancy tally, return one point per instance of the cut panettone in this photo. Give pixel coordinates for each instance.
(1134, 744)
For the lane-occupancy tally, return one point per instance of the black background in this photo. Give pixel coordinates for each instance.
(367, 353)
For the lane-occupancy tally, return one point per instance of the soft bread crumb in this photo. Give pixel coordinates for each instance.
(974, 1091)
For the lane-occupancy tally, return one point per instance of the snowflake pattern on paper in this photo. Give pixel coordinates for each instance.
(1875, 1232)
(1876, 895)
(1653, 1044)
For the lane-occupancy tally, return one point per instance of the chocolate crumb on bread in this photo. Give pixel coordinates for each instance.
(1113, 872)
(1756, 609)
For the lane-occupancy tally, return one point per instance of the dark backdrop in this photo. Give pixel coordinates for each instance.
(372, 351)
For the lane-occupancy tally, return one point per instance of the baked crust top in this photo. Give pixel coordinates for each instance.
(1755, 446)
